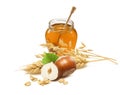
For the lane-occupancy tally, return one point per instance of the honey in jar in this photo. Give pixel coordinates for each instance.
(60, 34)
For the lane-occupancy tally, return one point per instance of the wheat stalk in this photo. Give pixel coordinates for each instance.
(82, 55)
(34, 68)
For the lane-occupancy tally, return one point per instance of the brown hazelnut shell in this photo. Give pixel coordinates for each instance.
(66, 65)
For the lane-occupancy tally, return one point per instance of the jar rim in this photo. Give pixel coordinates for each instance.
(60, 21)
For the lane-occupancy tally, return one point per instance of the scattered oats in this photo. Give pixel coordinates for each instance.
(62, 80)
(43, 82)
(40, 82)
(65, 82)
(33, 78)
(46, 81)
(27, 83)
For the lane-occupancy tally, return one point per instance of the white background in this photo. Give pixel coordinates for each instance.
(22, 28)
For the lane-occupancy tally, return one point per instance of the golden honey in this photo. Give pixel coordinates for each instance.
(60, 34)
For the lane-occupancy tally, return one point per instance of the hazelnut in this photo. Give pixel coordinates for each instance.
(63, 67)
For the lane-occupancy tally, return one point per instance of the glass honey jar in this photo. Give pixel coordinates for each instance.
(60, 34)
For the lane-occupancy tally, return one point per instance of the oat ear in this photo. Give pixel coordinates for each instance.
(34, 68)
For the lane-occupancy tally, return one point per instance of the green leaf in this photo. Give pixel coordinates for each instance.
(49, 57)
